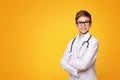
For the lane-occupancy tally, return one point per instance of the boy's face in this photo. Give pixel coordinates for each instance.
(83, 24)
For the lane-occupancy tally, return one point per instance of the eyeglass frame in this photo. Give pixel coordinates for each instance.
(80, 23)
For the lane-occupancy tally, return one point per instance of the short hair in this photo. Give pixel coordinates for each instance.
(83, 13)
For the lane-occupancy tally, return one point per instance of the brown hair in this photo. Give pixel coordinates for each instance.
(83, 13)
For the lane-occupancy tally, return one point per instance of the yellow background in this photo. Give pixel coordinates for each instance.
(34, 35)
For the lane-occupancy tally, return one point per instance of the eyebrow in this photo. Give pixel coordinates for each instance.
(84, 21)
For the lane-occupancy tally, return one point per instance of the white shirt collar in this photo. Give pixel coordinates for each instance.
(83, 36)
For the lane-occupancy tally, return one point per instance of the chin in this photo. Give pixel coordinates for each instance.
(83, 32)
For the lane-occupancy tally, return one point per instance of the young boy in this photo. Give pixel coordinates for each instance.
(80, 55)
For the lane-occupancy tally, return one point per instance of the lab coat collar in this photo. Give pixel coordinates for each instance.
(83, 37)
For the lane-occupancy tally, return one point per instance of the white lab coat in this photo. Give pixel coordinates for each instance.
(80, 65)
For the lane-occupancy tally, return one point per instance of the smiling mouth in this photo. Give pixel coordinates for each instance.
(83, 28)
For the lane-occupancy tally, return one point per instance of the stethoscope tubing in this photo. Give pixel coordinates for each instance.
(82, 43)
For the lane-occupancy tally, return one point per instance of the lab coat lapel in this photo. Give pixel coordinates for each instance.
(82, 49)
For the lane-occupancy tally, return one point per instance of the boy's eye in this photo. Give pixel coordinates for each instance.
(85, 23)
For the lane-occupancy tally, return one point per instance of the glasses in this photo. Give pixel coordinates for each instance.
(80, 23)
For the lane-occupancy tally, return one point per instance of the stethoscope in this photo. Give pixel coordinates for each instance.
(85, 42)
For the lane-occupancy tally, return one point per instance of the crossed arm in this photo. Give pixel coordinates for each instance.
(76, 65)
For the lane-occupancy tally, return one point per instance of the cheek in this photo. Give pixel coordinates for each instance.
(79, 27)
(88, 27)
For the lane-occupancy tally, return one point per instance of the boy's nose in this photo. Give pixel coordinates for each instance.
(83, 24)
